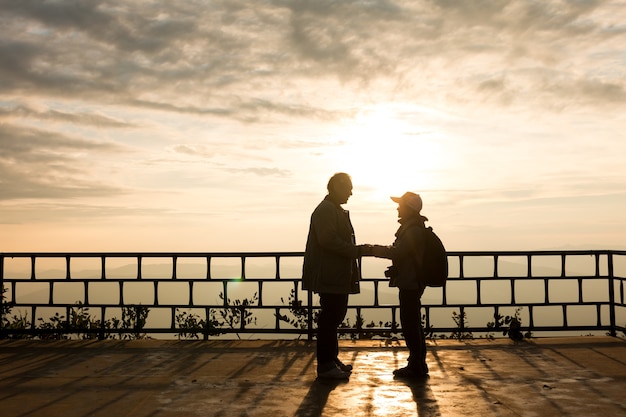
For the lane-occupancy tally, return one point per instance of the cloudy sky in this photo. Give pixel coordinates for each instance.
(215, 125)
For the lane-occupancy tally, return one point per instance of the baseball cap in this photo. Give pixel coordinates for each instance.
(412, 200)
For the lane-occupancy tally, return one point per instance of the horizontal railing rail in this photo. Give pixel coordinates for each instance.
(192, 294)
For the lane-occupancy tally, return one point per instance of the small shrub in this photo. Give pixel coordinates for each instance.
(133, 317)
(299, 314)
(510, 326)
(236, 314)
(378, 335)
(80, 319)
(16, 322)
(190, 325)
(460, 319)
(10, 323)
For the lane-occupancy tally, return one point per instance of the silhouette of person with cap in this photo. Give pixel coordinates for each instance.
(407, 253)
(331, 270)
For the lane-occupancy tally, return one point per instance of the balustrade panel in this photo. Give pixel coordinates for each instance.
(230, 294)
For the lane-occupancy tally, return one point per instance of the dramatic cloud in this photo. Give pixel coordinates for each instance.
(98, 120)
(136, 102)
(38, 164)
(228, 57)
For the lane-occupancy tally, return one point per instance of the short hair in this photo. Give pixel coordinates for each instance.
(339, 177)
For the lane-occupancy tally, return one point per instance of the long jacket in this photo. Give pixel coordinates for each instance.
(407, 253)
(330, 258)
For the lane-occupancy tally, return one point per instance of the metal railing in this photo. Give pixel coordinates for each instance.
(207, 294)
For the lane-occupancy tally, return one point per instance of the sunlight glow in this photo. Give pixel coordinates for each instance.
(383, 152)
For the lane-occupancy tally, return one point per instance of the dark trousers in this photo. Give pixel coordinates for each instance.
(333, 310)
(411, 321)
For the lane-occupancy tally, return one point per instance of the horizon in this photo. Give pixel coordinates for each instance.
(206, 127)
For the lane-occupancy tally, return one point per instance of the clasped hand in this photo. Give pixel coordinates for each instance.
(377, 251)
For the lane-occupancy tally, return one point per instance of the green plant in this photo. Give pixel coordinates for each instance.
(510, 325)
(80, 319)
(53, 328)
(368, 334)
(190, 325)
(236, 314)
(358, 327)
(18, 321)
(80, 322)
(6, 306)
(460, 319)
(345, 325)
(133, 317)
(299, 314)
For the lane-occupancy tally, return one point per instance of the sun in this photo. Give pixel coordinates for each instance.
(388, 153)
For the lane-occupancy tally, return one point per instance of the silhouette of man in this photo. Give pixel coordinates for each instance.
(331, 270)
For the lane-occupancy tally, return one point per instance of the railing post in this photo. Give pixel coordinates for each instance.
(32, 267)
(612, 307)
(68, 267)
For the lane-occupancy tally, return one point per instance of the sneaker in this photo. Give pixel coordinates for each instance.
(407, 372)
(333, 373)
(342, 366)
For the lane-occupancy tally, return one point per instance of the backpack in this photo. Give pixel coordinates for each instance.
(435, 260)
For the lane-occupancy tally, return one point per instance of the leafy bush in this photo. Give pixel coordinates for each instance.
(236, 314)
(299, 314)
(460, 319)
(509, 325)
(17, 321)
(79, 323)
(133, 317)
(190, 325)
